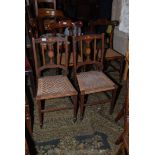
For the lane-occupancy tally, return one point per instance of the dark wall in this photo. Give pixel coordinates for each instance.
(86, 9)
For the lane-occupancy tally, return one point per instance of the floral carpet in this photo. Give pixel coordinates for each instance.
(94, 135)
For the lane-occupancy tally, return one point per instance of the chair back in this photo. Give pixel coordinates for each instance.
(47, 54)
(90, 48)
(108, 26)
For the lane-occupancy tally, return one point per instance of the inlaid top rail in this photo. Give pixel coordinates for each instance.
(52, 39)
(88, 37)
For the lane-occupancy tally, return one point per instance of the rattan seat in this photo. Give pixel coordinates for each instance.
(110, 53)
(94, 81)
(54, 87)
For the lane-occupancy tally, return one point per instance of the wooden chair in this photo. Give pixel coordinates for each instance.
(56, 86)
(30, 21)
(126, 79)
(124, 137)
(110, 54)
(91, 81)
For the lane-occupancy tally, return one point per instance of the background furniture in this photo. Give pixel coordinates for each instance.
(124, 137)
(29, 76)
(46, 13)
(91, 79)
(120, 39)
(39, 4)
(111, 55)
(70, 29)
(126, 79)
(29, 143)
(52, 86)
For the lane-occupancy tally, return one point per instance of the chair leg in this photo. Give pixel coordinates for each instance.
(113, 102)
(119, 140)
(120, 114)
(119, 152)
(81, 107)
(40, 113)
(75, 108)
(121, 68)
(32, 83)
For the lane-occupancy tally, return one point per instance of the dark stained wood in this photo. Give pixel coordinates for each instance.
(28, 116)
(29, 75)
(27, 152)
(89, 81)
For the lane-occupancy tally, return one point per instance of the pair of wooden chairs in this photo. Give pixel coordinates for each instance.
(88, 75)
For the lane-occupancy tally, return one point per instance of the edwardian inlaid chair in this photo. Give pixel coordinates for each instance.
(91, 79)
(111, 55)
(52, 86)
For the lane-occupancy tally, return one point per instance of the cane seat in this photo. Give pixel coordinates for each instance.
(54, 87)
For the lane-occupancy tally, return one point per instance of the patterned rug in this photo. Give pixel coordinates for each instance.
(94, 135)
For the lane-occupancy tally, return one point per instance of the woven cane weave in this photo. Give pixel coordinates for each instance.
(54, 87)
(110, 53)
(70, 59)
(94, 81)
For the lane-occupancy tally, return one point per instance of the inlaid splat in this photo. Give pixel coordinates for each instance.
(48, 51)
(51, 52)
(87, 45)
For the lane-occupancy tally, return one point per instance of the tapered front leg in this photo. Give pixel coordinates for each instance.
(113, 102)
(121, 68)
(40, 113)
(119, 152)
(74, 98)
(120, 114)
(81, 106)
(119, 140)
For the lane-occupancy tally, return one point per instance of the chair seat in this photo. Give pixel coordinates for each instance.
(54, 87)
(110, 53)
(70, 59)
(94, 81)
